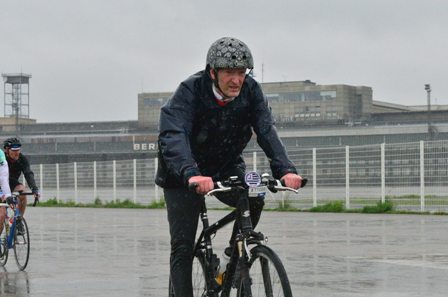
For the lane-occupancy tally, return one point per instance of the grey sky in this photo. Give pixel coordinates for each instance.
(90, 58)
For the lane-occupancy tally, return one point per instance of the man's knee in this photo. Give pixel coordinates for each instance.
(181, 256)
(182, 248)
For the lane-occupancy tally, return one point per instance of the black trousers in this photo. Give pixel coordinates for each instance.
(183, 216)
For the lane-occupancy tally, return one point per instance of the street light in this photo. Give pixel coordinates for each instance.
(428, 91)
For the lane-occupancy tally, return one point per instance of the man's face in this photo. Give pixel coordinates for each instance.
(13, 154)
(230, 81)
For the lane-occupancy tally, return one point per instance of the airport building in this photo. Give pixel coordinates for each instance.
(307, 115)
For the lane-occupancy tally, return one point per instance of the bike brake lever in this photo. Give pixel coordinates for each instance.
(221, 188)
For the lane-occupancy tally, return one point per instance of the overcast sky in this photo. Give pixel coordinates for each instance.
(89, 59)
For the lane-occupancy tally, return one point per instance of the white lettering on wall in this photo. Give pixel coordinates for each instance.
(145, 147)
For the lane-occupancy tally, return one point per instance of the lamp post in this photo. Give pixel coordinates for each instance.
(428, 91)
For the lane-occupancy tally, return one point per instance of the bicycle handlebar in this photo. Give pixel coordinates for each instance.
(17, 194)
(233, 182)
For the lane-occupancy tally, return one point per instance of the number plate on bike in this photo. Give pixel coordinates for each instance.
(257, 191)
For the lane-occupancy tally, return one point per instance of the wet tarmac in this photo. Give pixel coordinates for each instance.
(124, 252)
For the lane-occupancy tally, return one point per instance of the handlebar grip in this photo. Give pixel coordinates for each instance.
(304, 182)
(192, 187)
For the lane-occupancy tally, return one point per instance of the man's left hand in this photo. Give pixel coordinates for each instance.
(292, 180)
(36, 194)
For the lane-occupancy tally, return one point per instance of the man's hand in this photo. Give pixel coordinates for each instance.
(204, 184)
(36, 194)
(292, 180)
(11, 201)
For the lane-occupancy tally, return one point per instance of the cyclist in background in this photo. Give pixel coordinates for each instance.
(4, 185)
(19, 164)
(204, 128)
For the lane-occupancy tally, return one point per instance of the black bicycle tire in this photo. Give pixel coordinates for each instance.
(26, 237)
(5, 250)
(198, 271)
(264, 252)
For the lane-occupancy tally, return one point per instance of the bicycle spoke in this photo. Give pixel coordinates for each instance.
(199, 283)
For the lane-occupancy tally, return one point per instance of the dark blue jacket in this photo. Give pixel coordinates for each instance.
(199, 137)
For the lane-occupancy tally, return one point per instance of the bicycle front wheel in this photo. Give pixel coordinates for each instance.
(267, 274)
(4, 244)
(22, 245)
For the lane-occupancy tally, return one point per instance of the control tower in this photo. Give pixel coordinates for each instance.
(17, 95)
(16, 98)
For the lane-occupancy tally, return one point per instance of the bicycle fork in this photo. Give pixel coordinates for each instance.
(243, 266)
(9, 232)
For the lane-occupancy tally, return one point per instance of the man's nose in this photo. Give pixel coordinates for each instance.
(236, 79)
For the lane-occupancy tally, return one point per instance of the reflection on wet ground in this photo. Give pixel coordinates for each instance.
(124, 252)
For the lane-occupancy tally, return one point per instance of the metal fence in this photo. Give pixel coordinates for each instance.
(414, 176)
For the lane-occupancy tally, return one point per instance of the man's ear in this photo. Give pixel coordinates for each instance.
(212, 73)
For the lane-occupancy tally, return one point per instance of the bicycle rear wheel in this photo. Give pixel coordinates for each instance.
(267, 274)
(4, 245)
(198, 277)
(22, 245)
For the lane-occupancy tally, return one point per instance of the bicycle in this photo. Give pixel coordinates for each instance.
(11, 238)
(255, 271)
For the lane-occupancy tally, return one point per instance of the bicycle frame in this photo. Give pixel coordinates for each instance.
(10, 234)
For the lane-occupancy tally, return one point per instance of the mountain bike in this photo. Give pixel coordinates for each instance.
(13, 238)
(253, 268)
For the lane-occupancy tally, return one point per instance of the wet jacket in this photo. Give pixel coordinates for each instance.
(199, 137)
(15, 170)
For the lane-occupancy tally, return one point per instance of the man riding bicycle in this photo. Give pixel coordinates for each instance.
(204, 128)
(19, 164)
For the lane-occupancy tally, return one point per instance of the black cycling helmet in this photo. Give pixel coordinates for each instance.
(228, 52)
(12, 143)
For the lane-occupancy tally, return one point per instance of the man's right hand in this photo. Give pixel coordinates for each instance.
(204, 184)
(10, 201)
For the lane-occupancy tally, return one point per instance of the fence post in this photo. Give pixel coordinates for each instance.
(254, 161)
(422, 176)
(95, 194)
(314, 178)
(57, 182)
(383, 173)
(41, 179)
(75, 174)
(135, 180)
(347, 177)
(114, 180)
